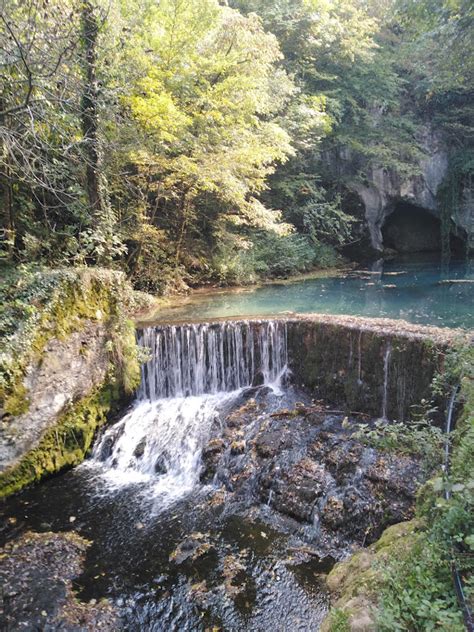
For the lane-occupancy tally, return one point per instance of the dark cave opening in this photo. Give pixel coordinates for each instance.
(412, 229)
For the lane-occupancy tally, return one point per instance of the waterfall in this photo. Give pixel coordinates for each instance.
(386, 365)
(194, 374)
(210, 358)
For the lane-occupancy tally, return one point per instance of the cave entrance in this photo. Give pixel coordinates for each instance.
(412, 229)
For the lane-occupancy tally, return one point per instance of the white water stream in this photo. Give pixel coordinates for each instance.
(194, 375)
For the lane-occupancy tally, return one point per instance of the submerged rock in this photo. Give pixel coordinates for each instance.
(193, 547)
(36, 572)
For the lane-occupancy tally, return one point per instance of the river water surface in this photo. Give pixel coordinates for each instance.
(426, 293)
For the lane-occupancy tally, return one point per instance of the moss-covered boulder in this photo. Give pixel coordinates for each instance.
(69, 361)
(355, 583)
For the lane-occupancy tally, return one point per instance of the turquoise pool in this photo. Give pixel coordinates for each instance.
(423, 293)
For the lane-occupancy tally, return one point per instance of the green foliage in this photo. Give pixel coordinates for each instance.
(418, 592)
(212, 120)
(267, 255)
(420, 438)
(339, 621)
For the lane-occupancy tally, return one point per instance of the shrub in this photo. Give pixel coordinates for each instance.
(267, 255)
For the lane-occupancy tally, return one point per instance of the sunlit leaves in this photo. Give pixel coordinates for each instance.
(206, 103)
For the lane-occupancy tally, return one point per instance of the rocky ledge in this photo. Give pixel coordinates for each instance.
(309, 467)
(62, 371)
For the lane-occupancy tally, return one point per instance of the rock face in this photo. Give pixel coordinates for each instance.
(383, 189)
(67, 371)
(78, 363)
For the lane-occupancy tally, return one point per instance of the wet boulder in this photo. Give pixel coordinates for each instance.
(161, 466)
(400, 474)
(267, 444)
(296, 488)
(140, 448)
(357, 513)
(211, 456)
(107, 444)
(258, 379)
(341, 456)
(243, 415)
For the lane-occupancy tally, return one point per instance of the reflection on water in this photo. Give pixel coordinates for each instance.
(423, 293)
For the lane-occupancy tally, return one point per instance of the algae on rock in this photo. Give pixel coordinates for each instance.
(67, 364)
(355, 583)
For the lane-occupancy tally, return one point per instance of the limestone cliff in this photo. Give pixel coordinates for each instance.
(383, 190)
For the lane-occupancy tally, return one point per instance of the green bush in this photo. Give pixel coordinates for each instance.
(418, 593)
(268, 255)
(418, 438)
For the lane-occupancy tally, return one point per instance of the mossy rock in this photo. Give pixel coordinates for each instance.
(357, 615)
(61, 302)
(66, 443)
(17, 402)
(356, 581)
(341, 575)
(398, 535)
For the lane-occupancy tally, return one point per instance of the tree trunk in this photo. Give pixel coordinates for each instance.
(7, 228)
(89, 110)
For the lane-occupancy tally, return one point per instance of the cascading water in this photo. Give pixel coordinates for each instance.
(194, 374)
(210, 358)
(386, 365)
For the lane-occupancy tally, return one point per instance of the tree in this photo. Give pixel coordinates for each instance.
(205, 108)
(36, 109)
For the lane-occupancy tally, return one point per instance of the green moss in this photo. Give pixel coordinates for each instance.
(398, 537)
(356, 582)
(17, 402)
(66, 444)
(60, 302)
(124, 352)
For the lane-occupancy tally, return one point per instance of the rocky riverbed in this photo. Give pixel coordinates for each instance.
(308, 465)
(287, 489)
